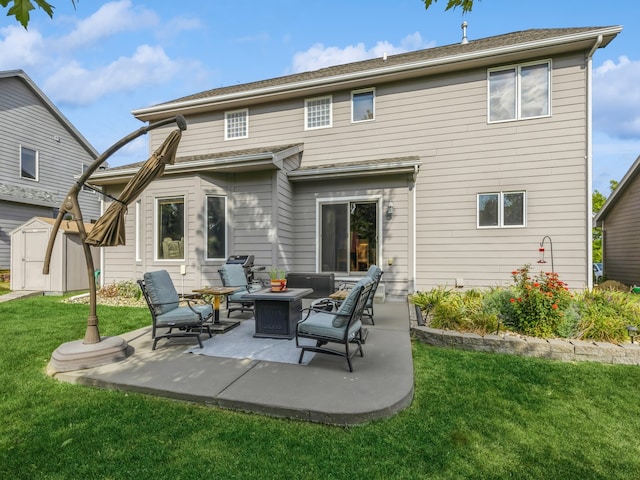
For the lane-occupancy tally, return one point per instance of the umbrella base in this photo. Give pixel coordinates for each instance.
(78, 355)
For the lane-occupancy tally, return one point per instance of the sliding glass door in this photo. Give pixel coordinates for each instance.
(349, 236)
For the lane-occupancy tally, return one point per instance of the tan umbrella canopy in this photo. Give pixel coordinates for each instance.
(109, 230)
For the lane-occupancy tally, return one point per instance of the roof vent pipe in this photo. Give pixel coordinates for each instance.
(464, 33)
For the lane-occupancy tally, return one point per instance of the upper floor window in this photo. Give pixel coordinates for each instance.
(236, 124)
(216, 227)
(501, 209)
(28, 163)
(362, 105)
(170, 228)
(317, 112)
(520, 91)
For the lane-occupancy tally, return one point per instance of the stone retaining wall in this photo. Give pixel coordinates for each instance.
(555, 349)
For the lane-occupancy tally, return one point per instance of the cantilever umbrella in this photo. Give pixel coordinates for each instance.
(109, 230)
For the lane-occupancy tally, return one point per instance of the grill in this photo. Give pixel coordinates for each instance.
(247, 263)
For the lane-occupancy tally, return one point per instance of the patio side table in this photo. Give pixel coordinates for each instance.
(218, 293)
(277, 313)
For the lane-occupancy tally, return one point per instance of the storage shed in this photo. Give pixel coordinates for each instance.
(68, 269)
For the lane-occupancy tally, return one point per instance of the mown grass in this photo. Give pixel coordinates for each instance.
(474, 415)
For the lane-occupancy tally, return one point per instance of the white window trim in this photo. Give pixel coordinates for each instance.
(37, 164)
(226, 123)
(364, 90)
(501, 210)
(156, 200)
(226, 227)
(518, 67)
(306, 112)
(138, 231)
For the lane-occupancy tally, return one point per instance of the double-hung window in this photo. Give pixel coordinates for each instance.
(362, 105)
(236, 124)
(501, 209)
(317, 112)
(520, 91)
(28, 163)
(216, 227)
(170, 228)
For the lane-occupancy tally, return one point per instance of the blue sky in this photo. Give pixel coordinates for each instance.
(102, 60)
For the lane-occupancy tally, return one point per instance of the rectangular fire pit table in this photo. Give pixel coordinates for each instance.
(277, 313)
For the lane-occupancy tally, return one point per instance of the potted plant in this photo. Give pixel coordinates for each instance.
(278, 279)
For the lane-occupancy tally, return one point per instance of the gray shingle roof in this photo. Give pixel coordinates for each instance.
(488, 43)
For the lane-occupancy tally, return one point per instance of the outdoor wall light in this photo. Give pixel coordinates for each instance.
(390, 210)
(633, 332)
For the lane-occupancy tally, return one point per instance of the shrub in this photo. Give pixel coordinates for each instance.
(126, 289)
(605, 314)
(539, 302)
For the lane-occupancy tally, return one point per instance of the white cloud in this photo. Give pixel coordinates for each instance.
(20, 48)
(319, 56)
(111, 18)
(73, 84)
(616, 98)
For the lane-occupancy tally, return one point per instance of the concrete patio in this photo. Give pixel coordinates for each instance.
(322, 391)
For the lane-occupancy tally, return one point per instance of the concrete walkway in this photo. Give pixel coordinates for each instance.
(323, 391)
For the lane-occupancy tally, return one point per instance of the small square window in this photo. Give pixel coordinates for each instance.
(501, 209)
(362, 105)
(28, 163)
(318, 113)
(236, 124)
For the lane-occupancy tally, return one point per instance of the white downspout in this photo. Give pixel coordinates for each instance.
(590, 162)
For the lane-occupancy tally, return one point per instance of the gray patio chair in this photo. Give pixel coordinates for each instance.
(375, 273)
(232, 275)
(342, 326)
(166, 312)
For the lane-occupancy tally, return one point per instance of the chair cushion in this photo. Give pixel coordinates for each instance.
(162, 293)
(183, 316)
(349, 303)
(375, 272)
(322, 324)
(237, 295)
(232, 275)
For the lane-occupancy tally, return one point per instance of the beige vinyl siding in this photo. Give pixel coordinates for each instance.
(535, 156)
(443, 121)
(394, 232)
(621, 253)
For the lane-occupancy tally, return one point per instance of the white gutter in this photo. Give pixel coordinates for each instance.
(590, 162)
(374, 72)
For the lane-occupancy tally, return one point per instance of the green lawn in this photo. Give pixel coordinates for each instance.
(474, 415)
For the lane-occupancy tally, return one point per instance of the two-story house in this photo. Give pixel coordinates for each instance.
(445, 166)
(41, 155)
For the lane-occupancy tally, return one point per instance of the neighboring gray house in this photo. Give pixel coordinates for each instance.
(446, 166)
(619, 218)
(41, 154)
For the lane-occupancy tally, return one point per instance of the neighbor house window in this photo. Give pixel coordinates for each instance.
(236, 124)
(170, 228)
(28, 163)
(362, 105)
(216, 227)
(501, 209)
(520, 91)
(317, 112)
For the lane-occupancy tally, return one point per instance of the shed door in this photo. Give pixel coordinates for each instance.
(33, 251)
